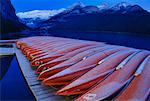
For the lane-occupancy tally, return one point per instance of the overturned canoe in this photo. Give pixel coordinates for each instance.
(62, 59)
(116, 81)
(79, 68)
(139, 88)
(72, 61)
(58, 53)
(97, 74)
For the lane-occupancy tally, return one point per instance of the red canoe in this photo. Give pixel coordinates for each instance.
(114, 82)
(65, 76)
(52, 50)
(77, 58)
(139, 88)
(62, 59)
(47, 46)
(97, 74)
(59, 53)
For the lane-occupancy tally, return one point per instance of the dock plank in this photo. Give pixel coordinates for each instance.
(6, 51)
(8, 41)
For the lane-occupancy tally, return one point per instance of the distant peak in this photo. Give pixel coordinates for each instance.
(76, 5)
(121, 5)
(137, 8)
(103, 6)
(124, 8)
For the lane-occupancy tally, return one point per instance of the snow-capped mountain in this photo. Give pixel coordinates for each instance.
(90, 9)
(125, 8)
(31, 18)
(42, 14)
(103, 6)
(74, 9)
(120, 6)
(122, 17)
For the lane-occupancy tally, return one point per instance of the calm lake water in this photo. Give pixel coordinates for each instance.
(140, 41)
(124, 39)
(13, 84)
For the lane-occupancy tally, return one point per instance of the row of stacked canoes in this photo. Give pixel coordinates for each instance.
(92, 70)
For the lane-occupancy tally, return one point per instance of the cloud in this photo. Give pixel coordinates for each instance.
(43, 14)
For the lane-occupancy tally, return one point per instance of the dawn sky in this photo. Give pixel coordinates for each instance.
(28, 5)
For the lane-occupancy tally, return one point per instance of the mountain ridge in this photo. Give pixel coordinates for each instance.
(128, 18)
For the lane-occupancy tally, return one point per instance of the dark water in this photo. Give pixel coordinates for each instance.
(13, 85)
(140, 41)
(6, 46)
(124, 39)
(5, 62)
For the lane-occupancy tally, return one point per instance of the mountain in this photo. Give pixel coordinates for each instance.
(9, 20)
(122, 17)
(121, 6)
(32, 18)
(31, 22)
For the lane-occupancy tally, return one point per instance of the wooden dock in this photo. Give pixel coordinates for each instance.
(40, 91)
(7, 51)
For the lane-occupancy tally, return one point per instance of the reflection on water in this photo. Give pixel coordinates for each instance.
(140, 41)
(125, 39)
(13, 85)
(4, 64)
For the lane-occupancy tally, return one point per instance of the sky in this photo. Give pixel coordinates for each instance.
(28, 5)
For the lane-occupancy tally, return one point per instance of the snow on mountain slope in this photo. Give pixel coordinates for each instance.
(103, 6)
(43, 14)
(120, 6)
(32, 18)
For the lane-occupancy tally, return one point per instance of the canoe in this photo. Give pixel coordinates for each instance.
(52, 43)
(49, 49)
(62, 59)
(53, 50)
(30, 40)
(139, 88)
(77, 58)
(80, 68)
(59, 53)
(47, 46)
(116, 81)
(97, 74)
(43, 44)
(33, 42)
